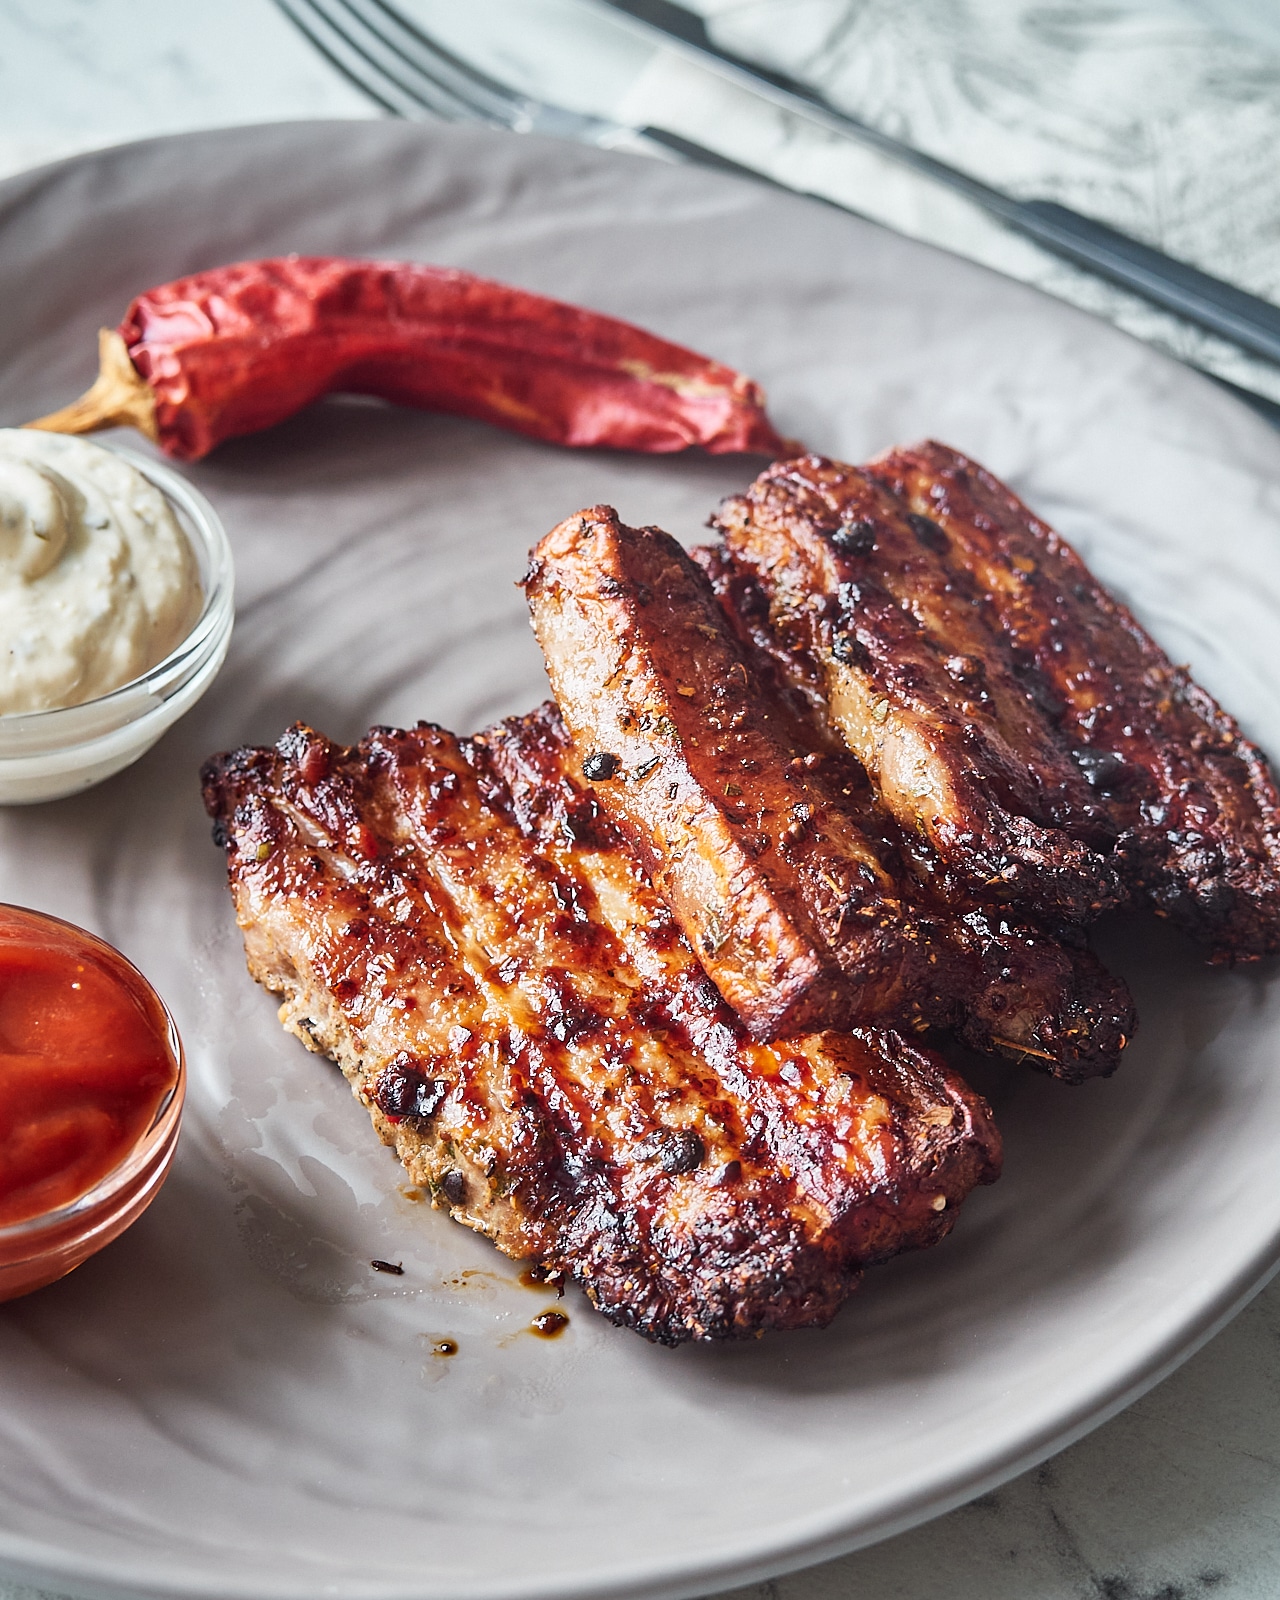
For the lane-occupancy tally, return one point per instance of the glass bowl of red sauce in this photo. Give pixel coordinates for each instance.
(92, 1080)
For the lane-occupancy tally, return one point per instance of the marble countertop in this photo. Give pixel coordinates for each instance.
(1160, 115)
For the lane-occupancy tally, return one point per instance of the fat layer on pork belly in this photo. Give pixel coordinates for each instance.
(456, 924)
(769, 848)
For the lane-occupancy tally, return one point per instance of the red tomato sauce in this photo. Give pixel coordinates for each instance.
(85, 1062)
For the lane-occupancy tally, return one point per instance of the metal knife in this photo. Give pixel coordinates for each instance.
(1247, 320)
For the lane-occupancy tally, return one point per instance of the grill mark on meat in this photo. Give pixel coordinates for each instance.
(923, 689)
(409, 899)
(1194, 800)
(773, 1080)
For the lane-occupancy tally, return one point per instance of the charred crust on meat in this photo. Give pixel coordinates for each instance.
(521, 772)
(849, 650)
(405, 1088)
(310, 752)
(1103, 770)
(930, 535)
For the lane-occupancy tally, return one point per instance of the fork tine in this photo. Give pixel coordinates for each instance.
(467, 82)
(337, 54)
(417, 69)
(366, 59)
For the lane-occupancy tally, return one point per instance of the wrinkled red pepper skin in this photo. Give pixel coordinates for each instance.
(236, 349)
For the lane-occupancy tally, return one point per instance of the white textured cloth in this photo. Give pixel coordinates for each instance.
(1160, 117)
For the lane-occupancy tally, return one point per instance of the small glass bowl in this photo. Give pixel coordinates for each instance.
(39, 1250)
(45, 755)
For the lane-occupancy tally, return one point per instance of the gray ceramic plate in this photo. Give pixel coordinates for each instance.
(228, 1402)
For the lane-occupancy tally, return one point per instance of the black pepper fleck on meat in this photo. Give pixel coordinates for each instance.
(600, 766)
(678, 1150)
(856, 538)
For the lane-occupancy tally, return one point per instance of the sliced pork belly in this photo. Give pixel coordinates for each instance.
(768, 846)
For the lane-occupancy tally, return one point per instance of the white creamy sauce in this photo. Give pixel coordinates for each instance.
(98, 582)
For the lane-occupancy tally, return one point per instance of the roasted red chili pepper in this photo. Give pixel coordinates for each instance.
(238, 348)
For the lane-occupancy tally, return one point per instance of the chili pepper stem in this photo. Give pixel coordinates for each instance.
(118, 397)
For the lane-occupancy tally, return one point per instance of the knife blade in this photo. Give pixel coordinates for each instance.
(1246, 319)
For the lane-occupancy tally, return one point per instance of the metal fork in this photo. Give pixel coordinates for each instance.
(401, 68)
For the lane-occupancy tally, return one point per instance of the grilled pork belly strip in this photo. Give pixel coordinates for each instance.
(923, 690)
(1194, 800)
(460, 930)
(781, 894)
(769, 849)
